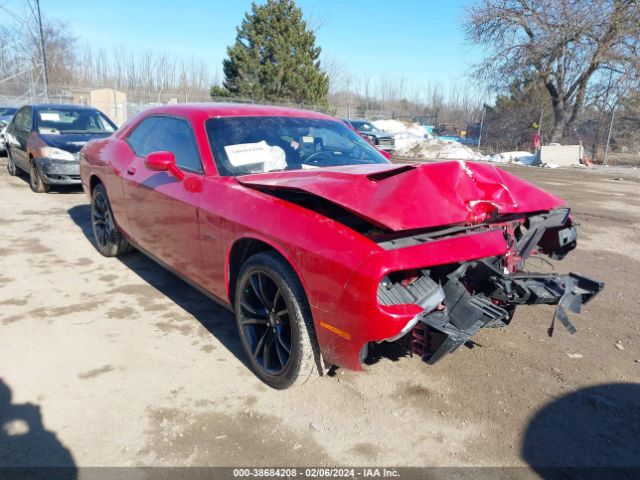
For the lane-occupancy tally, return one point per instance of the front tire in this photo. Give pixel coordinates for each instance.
(11, 166)
(274, 321)
(35, 179)
(109, 240)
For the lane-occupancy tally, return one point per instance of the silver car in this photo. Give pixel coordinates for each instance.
(6, 114)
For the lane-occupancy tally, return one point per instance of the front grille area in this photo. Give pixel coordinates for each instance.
(62, 177)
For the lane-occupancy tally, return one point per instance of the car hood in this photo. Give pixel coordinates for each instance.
(409, 197)
(71, 143)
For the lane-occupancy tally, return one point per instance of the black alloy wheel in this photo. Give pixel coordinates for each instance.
(265, 322)
(109, 241)
(274, 321)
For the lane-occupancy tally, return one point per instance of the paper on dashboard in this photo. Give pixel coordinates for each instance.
(244, 154)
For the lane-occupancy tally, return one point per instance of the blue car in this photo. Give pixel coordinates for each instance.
(44, 141)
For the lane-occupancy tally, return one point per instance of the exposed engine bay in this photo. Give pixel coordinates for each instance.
(459, 299)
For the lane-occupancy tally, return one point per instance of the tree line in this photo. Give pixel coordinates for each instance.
(72, 62)
(562, 63)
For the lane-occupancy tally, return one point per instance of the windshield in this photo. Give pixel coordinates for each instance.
(363, 126)
(66, 121)
(244, 145)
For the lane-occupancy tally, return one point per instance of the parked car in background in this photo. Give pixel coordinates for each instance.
(382, 140)
(44, 141)
(318, 244)
(6, 114)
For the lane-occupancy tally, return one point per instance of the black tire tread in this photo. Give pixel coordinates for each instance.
(307, 348)
(119, 246)
(40, 186)
(11, 165)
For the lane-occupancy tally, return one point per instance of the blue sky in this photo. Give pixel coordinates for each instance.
(419, 40)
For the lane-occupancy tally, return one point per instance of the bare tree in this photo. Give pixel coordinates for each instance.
(563, 44)
(17, 58)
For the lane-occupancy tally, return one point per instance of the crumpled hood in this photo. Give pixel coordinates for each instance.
(409, 197)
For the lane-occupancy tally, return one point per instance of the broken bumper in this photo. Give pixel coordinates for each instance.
(442, 332)
(59, 172)
(434, 294)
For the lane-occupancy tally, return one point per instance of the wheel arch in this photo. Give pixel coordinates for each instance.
(245, 247)
(94, 180)
(241, 250)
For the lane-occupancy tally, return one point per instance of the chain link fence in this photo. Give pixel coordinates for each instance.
(610, 136)
(120, 104)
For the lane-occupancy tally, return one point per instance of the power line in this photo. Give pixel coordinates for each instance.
(27, 70)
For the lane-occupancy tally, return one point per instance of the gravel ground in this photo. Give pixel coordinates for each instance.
(107, 362)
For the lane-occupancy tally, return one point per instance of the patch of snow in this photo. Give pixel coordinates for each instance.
(397, 126)
(413, 141)
(406, 140)
(524, 158)
(432, 148)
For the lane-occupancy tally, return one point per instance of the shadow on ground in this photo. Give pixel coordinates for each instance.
(216, 319)
(27, 449)
(219, 321)
(591, 433)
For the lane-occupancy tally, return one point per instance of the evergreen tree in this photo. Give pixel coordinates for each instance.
(275, 58)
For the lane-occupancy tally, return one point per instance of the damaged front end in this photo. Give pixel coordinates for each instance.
(459, 299)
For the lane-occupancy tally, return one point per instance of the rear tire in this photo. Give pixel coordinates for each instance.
(274, 321)
(109, 240)
(35, 179)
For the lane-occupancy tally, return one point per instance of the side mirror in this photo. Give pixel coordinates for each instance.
(163, 162)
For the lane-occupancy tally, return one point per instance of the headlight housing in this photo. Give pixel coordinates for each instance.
(56, 154)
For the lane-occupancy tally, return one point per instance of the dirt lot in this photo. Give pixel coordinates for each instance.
(109, 362)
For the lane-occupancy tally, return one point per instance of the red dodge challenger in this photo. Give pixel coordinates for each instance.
(318, 244)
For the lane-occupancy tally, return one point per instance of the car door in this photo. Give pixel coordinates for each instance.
(18, 135)
(162, 210)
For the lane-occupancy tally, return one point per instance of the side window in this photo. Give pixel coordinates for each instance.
(141, 139)
(155, 134)
(25, 122)
(18, 120)
(175, 136)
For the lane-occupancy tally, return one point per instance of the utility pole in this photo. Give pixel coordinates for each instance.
(26, 74)
(44, 56)
(481, 124)
(540, 121)
(606, 149)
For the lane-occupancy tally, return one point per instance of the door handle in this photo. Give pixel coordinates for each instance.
(131, 170)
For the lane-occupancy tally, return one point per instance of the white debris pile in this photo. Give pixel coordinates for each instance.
(524, 158)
